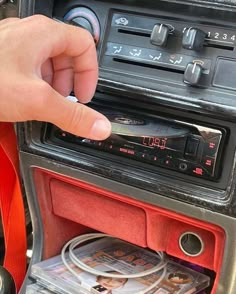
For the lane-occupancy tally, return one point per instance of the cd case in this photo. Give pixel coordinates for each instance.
(36, 288)
(116, 256)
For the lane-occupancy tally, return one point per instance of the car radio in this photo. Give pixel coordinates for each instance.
(185, 147)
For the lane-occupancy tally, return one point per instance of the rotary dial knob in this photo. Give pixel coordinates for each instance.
(85, 18)
(192, 74)
(193, 39)
(159, 35)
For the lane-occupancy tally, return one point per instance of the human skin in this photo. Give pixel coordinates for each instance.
(41, 61)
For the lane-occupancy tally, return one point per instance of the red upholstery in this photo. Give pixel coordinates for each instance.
(70, 207)
(12, 206)
(99, 212)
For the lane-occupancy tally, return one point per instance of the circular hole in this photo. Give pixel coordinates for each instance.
(183, 166)
(191, 244)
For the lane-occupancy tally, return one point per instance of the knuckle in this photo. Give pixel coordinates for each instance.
(75, 119)
(40, 19)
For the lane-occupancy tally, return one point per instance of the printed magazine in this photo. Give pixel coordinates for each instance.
(116, 256)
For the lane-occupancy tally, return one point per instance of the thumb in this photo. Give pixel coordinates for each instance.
(75, 118)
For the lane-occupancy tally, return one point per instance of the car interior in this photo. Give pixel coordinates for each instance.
(165, 179)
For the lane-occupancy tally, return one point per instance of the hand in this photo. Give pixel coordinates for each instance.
(41, 61)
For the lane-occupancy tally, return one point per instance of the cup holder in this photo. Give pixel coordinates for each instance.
(191, 244)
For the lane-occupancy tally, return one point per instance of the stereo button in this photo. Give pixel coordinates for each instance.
(209, 164)
(191, 147)
(211, 146)
(198, 171)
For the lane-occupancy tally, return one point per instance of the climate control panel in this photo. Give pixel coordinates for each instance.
(169, 49)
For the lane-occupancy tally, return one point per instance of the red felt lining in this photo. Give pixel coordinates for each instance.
(206, 258)
(99, 212)
(57, 231)
(70, 207)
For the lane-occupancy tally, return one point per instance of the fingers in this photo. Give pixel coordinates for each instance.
(74, 118)
(85, 76)
(85, 64)
(70, 41)
(63, 78)
(47, 71)
(46, 54)
(80, 45)
(78, 119)
(59, 74)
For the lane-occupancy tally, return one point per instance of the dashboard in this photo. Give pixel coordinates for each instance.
(166, 82)
(167, 74)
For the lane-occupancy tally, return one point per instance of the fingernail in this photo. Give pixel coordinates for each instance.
(101, 129)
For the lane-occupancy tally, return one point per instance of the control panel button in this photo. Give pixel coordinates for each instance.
(192, 74)
(208, 163)
(191, 147)
(198, 171)
(159, 35)
(193, 39)
(211, 146)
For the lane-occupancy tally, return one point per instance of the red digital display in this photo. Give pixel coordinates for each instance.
(154, 142)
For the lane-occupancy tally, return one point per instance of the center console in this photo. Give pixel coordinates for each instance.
(167, 84)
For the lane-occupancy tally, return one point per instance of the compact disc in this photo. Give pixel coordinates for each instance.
(126, 125)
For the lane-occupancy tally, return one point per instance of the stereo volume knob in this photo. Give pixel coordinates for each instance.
(85, 18)
(192, 74)
(159, 35)
(193, 39)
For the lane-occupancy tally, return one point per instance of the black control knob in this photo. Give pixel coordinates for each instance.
(192, 74)
(159, 35)
(193, 39)
(85, 18)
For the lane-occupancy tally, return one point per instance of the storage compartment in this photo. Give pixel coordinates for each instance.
(98, 211)
(70, 207)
